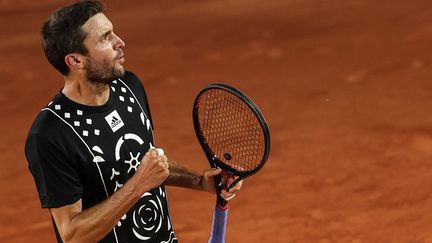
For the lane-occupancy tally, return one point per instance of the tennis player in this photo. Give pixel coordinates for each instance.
(91, 149)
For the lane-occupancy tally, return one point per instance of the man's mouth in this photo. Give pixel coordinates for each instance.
(120, 56)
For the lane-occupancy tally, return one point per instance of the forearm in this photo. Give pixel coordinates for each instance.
(183, 177)
(93, 224)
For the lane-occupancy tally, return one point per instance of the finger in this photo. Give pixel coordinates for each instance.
(164, 165)
(152, 152)
(224, 193)
(212, 172)
(227, 179)
(157, 152)
(215, 171)
(236, 187)
(227, 198)
(164, 158)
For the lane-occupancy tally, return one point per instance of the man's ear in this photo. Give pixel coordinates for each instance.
(74, 61)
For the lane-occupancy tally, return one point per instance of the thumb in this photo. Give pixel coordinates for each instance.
(213, 171)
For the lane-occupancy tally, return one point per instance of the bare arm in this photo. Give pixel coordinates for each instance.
(183, 177)
(92, 224)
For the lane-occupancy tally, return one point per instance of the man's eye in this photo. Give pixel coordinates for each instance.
(105, 38)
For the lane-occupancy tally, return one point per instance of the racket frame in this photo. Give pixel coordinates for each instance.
(214, 161)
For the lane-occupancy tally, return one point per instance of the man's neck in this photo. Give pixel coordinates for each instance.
(85, 92)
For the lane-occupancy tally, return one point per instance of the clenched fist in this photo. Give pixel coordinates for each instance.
(153, 170)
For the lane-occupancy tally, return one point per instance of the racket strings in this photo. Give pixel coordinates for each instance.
(231, 130)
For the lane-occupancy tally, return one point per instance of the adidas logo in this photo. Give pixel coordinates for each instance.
(114, 121)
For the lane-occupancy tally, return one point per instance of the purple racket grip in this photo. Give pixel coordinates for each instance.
(220, 217)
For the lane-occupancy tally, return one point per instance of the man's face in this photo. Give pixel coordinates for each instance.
(104, 62)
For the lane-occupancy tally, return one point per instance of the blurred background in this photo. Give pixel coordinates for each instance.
(345, 87)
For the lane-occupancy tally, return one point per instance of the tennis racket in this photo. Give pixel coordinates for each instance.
(234, 137)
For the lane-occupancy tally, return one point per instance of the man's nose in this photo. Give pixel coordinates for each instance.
(119, 42)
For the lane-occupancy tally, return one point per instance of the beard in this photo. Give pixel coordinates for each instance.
(102, 72)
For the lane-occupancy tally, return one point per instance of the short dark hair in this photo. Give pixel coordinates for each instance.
(62, 33)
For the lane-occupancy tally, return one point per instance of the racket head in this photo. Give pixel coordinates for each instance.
(231, 130)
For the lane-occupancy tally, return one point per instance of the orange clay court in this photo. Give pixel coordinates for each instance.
(346, 87)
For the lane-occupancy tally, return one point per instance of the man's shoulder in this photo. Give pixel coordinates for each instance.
(48, 121)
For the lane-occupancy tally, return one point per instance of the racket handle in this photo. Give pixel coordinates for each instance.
(222, 203)
(220, 217)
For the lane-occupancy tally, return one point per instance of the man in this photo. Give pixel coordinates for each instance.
(91, 149)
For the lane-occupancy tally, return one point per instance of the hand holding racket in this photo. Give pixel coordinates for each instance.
(234, 137)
